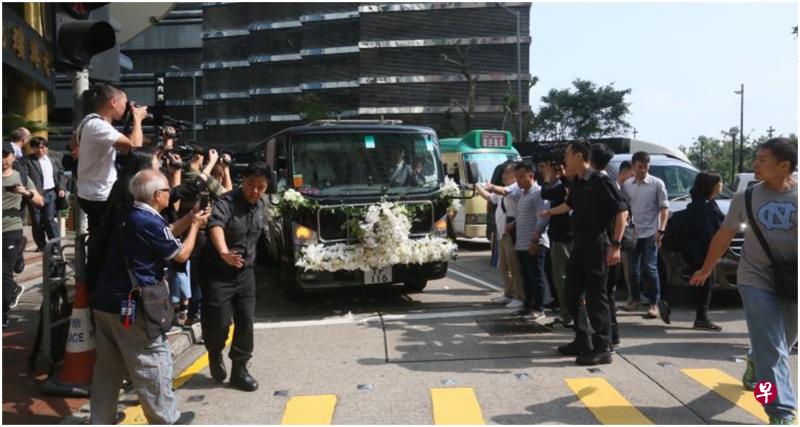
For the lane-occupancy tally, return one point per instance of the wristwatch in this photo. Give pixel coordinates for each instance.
(616, 243)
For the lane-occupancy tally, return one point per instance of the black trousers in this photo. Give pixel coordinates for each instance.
(611, 289)
(226, 296)
(587, 275)
(12, 249)
(702, 294)
(100, 227)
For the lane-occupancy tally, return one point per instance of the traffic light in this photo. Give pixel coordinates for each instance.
(77, 38)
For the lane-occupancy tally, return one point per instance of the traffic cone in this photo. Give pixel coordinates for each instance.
(75, 378)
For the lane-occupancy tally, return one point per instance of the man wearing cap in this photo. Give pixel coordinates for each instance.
(14, 191)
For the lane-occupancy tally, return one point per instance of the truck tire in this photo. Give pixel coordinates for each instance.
(415, 286)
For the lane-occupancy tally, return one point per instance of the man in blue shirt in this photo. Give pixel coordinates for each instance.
(141, 246)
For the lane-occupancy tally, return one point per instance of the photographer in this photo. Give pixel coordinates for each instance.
(99, 142)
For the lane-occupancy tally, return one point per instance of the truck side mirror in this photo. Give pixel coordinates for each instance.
(473, 173)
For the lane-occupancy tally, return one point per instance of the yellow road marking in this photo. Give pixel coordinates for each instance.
(456, 406)
(135, 415)
(730, 388)
(605, 402)
(310, 410)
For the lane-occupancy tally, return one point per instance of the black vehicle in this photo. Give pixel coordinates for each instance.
(341, 165)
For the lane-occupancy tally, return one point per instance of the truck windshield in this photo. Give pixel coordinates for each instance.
(344, 162)
(487, 162)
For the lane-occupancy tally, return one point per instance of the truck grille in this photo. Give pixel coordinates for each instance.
(331, 220)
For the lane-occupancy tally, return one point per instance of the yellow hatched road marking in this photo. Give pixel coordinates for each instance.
(730, 388)
(456, 406)
(310, 410)
(135, 415)
(605, 402)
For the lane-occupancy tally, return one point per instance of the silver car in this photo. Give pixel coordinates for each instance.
(678, 176)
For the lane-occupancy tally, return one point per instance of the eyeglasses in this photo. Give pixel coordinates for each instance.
(162, 189)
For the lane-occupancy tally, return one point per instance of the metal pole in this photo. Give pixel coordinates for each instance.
(741, 129)
(733, 157)
(194, 107)
(519, 82)
(80, 84)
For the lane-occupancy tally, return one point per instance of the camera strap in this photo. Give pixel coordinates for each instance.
(83, 123)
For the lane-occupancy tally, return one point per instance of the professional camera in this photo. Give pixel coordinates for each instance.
(226, 157)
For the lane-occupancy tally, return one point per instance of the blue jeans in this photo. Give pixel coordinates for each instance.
(644, 262)
(180, 287)
(534, 281)
(45, 226)
(772, 326)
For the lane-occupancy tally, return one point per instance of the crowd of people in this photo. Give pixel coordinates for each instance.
(170, 243)
(172, 237)
(568, 218)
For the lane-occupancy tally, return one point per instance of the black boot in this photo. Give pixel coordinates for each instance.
(217, 366)
(242, 379)
(575, 348)
(596, 357)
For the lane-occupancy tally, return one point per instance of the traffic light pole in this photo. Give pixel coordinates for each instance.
(80, 84)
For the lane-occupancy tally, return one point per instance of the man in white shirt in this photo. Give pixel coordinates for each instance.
(647, 195)
(98, 142)
(505, 215)
(46, 176)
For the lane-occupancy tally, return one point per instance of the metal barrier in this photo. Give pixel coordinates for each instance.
(56, 308)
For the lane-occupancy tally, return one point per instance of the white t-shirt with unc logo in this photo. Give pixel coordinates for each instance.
(776, 214)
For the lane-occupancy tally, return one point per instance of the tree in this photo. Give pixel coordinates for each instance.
(14, 121)
(587, 112)
(311, 107)
(511, 109)
(715, 154)
(462, 64)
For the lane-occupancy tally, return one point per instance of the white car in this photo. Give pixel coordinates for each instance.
(745, 180)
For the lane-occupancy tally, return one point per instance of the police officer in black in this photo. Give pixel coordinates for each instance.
(228, 279)
(597, 206)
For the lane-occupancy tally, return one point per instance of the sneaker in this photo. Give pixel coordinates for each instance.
(559, 323)
(749, 377)
(652, 313)
(186, 417)
(174, 330)
(16, 295)
(782, 421)
(631, 306)
(501, 300)
(534, 316)
(523, 311)
(664, 310)
(515, 304)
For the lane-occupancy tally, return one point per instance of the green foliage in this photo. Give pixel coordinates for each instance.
(14, 121)
(716, 153)
(588, 111)
(311, 107)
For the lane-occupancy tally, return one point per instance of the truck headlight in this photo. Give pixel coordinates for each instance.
(440, 227)
(304, 235)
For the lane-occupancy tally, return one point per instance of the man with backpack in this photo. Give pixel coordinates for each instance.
(767, 272)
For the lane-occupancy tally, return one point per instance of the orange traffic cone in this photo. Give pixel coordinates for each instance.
(75, 378)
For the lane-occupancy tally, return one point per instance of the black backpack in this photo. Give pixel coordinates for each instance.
(677, 231)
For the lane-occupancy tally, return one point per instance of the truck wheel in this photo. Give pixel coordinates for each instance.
(415, 286)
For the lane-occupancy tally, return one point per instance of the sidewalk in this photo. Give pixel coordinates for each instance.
(22, 401)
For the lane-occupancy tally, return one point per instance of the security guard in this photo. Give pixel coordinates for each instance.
(229, 285)
(597, 207)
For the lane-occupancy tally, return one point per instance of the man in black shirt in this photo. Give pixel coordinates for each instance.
(554, 190)
(596, 204)
(229, 282)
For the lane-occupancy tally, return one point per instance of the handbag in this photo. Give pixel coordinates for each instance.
(628, 238)
(154, 304)
(61, 204)
(784, 272)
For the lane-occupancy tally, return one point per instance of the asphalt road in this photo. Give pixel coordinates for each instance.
(447, 355)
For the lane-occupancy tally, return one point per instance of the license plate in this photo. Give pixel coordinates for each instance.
(381, 275)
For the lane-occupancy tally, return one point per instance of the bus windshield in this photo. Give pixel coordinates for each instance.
(487, 162)
(350, 162)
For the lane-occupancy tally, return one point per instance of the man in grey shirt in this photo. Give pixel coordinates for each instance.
(531, 240)
(771, 319)
(647, 195)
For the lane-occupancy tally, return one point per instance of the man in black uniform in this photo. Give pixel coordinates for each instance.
(596, 205)
(229, 283)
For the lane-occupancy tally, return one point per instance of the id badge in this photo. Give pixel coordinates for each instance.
(127, 311)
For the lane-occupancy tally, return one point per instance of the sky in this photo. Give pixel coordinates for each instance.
(683, 61)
